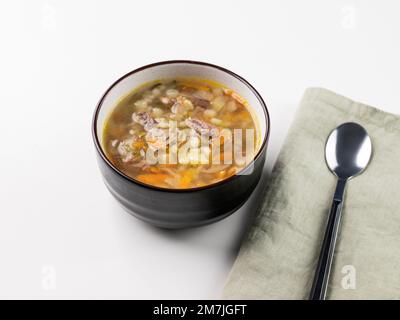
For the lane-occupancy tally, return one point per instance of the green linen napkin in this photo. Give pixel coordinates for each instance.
(278, 258)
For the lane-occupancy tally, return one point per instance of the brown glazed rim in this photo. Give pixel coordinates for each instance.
(244, 81)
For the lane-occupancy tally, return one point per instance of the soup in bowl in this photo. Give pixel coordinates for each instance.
(181, 143)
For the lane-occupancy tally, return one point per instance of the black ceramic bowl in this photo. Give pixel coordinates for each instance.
(177, 208)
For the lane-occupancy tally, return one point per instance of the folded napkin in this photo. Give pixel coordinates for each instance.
(279, 256)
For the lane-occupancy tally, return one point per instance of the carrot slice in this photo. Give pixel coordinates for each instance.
(238, 98)
(154, 170)
(186, 178)
(153, 179)
(138, 144)
(235, 96)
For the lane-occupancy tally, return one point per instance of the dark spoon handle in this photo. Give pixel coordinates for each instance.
(321, 278)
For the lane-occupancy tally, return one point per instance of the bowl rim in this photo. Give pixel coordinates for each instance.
(166, 62)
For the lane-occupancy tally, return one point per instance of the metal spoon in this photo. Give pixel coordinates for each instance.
(347, 153)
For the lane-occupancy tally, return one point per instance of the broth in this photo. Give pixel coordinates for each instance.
(198, 131)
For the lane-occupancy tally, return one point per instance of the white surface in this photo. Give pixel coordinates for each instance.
(61, 233)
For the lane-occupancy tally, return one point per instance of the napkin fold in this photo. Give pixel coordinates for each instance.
(279, 256)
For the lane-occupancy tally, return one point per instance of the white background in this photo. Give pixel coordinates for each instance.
(62, 235)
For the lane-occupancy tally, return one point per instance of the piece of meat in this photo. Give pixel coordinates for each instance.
(202, 127)
(202, 103)
(144, 119)
(182, 105)
(156, 138)
(125, 150)
(198, 112)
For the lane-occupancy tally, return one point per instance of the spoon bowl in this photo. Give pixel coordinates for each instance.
(348, 150)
